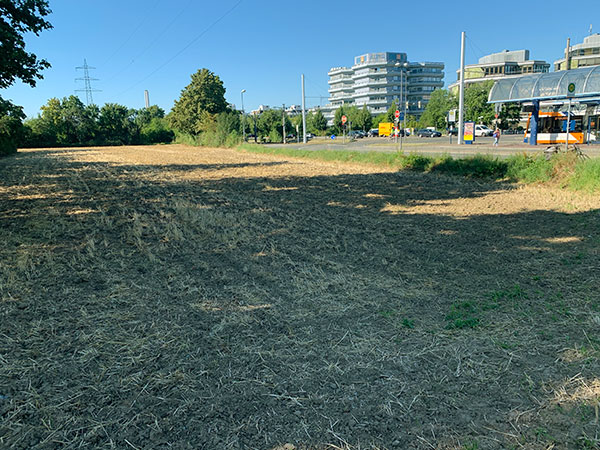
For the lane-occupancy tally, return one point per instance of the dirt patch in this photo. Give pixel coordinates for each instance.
(176, 297)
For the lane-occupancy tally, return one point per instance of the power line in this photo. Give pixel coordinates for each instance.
(229, 11)
(132, 33)
(471, 44)
(154, 41)
(87, 82)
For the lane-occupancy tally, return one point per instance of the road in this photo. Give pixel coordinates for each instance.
(509, 145)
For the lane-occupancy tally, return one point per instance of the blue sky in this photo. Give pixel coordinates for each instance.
(264, 46)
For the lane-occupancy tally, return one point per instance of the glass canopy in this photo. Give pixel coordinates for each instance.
(547, 86)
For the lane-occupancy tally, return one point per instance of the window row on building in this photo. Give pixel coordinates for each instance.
(377, 80)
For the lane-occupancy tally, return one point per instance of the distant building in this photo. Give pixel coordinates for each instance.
(260, 109)
(582, 55)
(499, 66)
(376, 80)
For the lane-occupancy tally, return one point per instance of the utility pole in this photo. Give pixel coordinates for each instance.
(303, 113)
(283, 121)
(87, 82)
(461, 96)
(147, 98)
(243, 116)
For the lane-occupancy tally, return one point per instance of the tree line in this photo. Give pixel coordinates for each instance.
(201, 114)
(68, 122)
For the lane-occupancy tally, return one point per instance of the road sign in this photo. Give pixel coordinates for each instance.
(452, 115)
(401, 116)
(397, 113)
(344, 119)
(496, 115)
(571, 90)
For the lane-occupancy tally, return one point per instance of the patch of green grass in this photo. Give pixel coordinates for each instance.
(473, 445)
(417, 162)
(567, 169)
(529, 168)
(585, 442)
(478, 166)
(387, 314)
(586, 176)
(408, 323)
(463, 315)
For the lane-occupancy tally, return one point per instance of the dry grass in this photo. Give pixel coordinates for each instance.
(155, 297)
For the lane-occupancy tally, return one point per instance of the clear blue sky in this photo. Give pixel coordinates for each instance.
(264, 46)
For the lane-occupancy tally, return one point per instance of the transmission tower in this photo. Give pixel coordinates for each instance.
(87, 82)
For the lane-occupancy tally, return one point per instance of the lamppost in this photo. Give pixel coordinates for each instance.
(402, 100)
(243, 124)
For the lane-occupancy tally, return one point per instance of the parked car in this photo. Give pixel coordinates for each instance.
(482, 130)
(428, 133)
(356, 134)
(373, 132)
(452, 131)
(310, 136)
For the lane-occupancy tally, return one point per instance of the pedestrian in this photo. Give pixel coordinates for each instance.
(496, 137)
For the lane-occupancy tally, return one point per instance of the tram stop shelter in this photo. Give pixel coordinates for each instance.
(580, 87)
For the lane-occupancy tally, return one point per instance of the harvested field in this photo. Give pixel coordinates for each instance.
(177, 297)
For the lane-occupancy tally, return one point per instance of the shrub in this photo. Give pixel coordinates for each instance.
(478, 166)
(586, 176)
(529, 168)
(156, 132)
(11, 127)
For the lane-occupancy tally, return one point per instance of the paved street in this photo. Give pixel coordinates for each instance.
(509, 145)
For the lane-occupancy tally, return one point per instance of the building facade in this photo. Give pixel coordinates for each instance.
(377, 80)
(581, 55)
(500, 65)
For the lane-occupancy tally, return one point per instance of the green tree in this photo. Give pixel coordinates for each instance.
(317, 123)
(390, 115)
(509, 115)
(11, 126)
(363, 119)
(378, 119)
(199, 103)
(144, 116)
(18, 17)
(410, 121)
(477, 109)
(440, 102)
(337, 127)
(79, 121)
(66, 122)
(269, 125)
(156, 131)
(116, 124)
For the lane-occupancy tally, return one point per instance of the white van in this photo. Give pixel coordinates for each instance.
(482, 130)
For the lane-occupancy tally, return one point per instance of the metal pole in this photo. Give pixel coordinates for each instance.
(461, 95)
(147, 98)
(568, 126)
(283, 121)
(401, 103)
(243, 123)
(303, 113)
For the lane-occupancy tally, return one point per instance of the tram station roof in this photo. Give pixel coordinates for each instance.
(548, 86)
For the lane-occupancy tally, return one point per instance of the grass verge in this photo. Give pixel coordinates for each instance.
(563, 169)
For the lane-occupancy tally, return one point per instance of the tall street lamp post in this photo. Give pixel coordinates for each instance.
(402, 106)
(243, 124)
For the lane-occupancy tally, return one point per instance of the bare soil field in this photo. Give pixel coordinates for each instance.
(178, 297)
